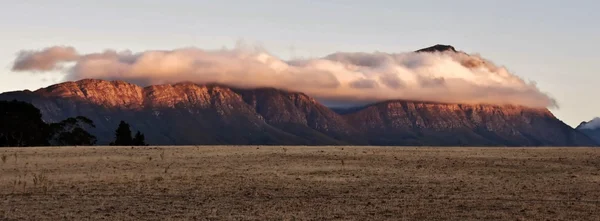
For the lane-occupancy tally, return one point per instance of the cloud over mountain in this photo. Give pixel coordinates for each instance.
(440, 76)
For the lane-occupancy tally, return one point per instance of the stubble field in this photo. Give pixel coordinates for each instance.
(299, 183)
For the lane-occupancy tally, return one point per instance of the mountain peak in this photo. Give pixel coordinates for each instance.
(590, 125)
(438, 48)
(591, 129)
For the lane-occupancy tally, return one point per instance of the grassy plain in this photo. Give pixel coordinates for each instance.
(299, 183)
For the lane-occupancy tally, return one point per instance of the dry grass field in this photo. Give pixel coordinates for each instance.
(299, 183)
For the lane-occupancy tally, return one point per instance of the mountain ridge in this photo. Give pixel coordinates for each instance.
(189, 113)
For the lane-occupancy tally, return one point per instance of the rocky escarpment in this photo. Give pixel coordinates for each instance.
(187, 113)
(425, 123)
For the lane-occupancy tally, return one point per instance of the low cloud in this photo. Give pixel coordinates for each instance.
(348, 78)
(364, 83)
(45, 60)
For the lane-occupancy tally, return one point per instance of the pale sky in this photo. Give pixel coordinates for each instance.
(551, 42)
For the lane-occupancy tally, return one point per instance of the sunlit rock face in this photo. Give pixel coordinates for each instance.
(422, 123)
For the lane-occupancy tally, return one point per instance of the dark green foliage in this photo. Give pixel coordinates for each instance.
(70, 132)
(139, 139)
(123, 136)
(76, 137)
(21, 124)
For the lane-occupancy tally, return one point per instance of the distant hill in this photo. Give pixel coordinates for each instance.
(591, 129)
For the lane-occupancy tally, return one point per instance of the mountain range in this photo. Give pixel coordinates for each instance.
(188, 114)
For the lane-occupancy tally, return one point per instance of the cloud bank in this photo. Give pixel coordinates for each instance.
(348, 78)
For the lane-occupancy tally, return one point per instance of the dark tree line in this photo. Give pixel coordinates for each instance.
(21, 125)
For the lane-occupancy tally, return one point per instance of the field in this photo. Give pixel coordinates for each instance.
(299, 183)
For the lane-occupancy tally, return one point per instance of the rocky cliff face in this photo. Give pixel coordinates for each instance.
(423, 123)
(187, 113)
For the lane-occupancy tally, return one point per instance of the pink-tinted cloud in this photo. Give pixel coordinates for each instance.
(44, 60)
(449, 76)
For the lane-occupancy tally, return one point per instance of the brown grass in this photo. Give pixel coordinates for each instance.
(299, 183)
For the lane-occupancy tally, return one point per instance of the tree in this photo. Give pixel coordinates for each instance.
(70, 132)
(22, 125)
(123, 136)
(139, 139)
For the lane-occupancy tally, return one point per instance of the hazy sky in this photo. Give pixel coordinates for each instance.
(551, 42)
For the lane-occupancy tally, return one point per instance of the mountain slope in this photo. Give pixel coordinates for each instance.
(426, 123)
(182, 113)
(298, 114)
(187, 113)
(591, 129)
